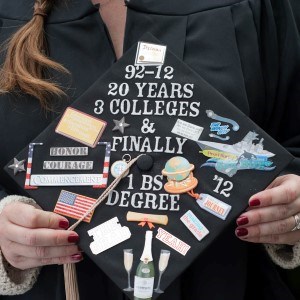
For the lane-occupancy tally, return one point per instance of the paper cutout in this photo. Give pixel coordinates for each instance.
(172, 241)
(107, 235)
(180, 176)
(187, 130)
(68, 165)
(194, 225)
(248, 155)
(128, 262)
(147, 126)
(81, 127)
(74, 205)
(150, 54)
(212, 115)
(162, 265)
(214, 206)
(69, 151)
(33, 181)
(147, 219)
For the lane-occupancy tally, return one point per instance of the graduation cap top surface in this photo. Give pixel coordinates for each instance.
(200, 150)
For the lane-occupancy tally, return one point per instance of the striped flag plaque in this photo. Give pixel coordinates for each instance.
(74, 205)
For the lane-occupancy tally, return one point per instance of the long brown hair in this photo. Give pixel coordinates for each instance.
(26, 66)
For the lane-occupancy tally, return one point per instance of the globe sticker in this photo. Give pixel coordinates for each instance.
(179, 175)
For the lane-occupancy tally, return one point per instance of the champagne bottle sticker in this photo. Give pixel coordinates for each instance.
(144, 277)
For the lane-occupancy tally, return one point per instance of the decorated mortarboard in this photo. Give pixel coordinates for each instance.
(192, 149)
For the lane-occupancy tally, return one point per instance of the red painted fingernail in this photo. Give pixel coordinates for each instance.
(242, 221)
(76, 257)
(63, 224)
(241, 231)
(254, 202)
(73, 238)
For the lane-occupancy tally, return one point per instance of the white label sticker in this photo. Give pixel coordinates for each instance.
(143, 287)
(172, 241)
(66, 180)
(150, 54)
(107, 235)
(187, 130)
(194, 225)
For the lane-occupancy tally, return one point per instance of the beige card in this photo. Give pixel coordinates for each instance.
(81, 127)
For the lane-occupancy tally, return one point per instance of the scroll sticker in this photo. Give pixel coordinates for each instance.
(194, 225)
(172, 241)
(248, 155)
(212, 115)
(81, 127)
(187, 130)
(147, 219)
(214, 206)
(74, 205)
(108, 235)
(150, 54)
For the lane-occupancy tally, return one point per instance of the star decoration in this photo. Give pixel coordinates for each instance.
(18, 166)
(120, 125)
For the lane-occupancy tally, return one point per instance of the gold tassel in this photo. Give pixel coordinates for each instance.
(71, 284)
(70, 276)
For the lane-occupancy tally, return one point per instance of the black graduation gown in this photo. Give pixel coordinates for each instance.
(247, 50)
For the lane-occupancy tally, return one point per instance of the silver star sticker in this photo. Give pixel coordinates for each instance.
(18, 166)
(120, 125)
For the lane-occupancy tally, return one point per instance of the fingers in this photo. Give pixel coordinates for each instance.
(289, 238)
(24, 263)
(270, 217)
(266, 214)
(284, 190)
(40, 252)
(28, 216)
(40, 236)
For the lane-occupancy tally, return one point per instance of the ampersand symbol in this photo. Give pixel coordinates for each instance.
(147, 126)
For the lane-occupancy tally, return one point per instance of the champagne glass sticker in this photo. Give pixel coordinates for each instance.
(128, 260)
(162, 265)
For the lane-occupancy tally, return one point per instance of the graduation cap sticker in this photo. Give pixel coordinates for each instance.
(159, 218)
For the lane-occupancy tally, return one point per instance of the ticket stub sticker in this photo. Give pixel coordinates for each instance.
(81, 127)
(150, 54)
(214, 206)
(108, 235)
(187, 130)
(74, 205)
(172, 241)
(194, 225)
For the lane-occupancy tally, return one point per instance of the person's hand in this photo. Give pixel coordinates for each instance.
(30, 237)
(271, 215)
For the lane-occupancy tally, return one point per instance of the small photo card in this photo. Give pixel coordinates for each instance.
(194, 225)
(81, 127)
(150, 54)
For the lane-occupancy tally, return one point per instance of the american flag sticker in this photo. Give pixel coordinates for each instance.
(74, 205)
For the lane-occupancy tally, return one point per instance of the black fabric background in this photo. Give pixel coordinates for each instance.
(266, 68)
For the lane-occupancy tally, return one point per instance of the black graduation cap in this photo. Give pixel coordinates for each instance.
(198, 151)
